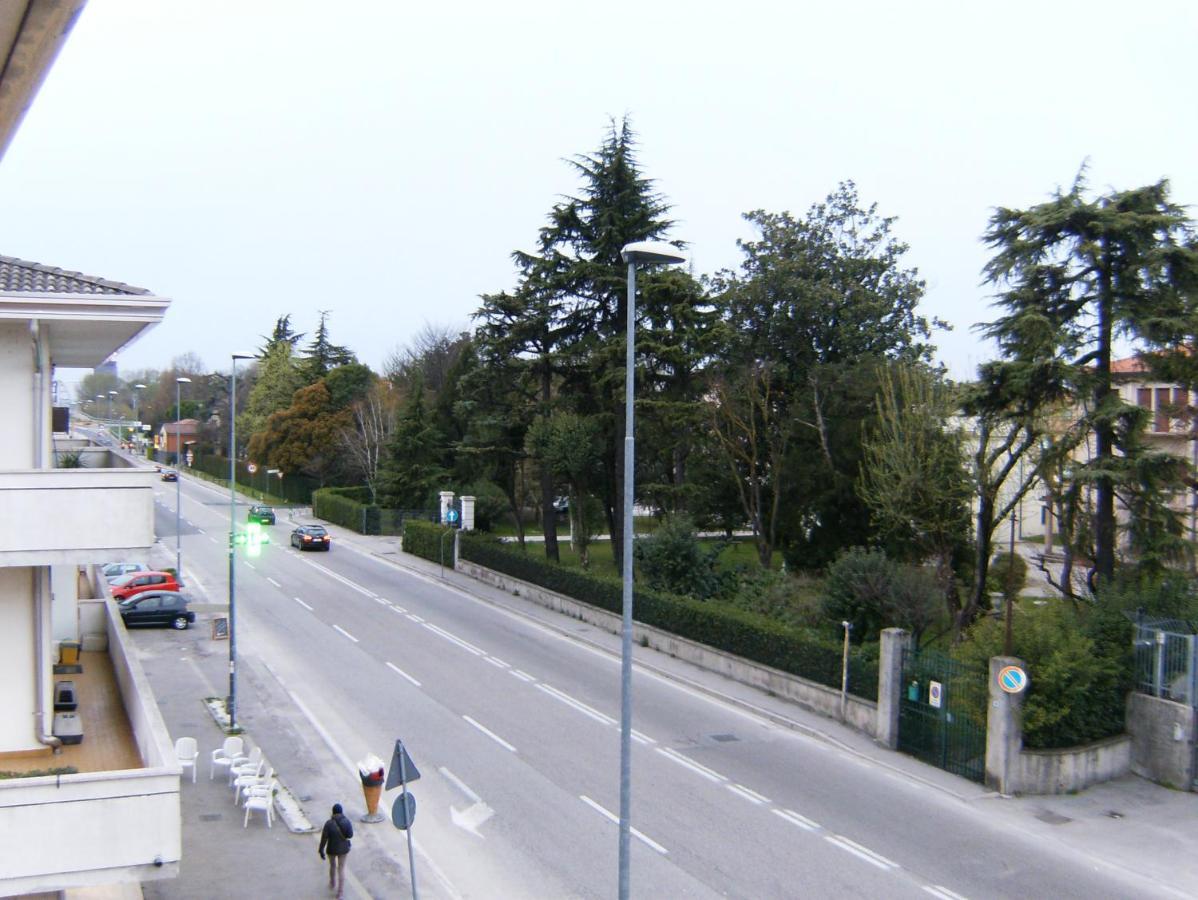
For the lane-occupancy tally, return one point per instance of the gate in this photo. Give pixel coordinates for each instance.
(942, 713)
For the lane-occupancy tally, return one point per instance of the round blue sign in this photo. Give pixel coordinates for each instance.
(1012, 679)
(451, 516)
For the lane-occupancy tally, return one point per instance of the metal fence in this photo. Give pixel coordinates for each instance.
(1165, 662)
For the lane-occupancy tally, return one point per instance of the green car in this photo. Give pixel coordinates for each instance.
(263, 515)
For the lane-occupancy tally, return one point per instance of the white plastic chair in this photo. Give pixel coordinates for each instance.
(186, 752)
(261, 797)
(249, 784)
(243, 764)
(223, 756)
(246, 779)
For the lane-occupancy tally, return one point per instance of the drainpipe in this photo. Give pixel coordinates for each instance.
(39, 626)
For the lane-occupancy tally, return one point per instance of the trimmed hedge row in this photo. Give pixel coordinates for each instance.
(346, 506)
(750, 635)
(425, 539)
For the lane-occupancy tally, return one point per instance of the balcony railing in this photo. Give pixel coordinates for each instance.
(53, 516)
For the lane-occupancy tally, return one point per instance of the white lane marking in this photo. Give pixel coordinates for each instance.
(272, 581)
(576, 704)
(611, 818)
(415, 618)
(382, 601)
(795, 819)
(751, 796)
(250, 565)
(303, 604)
(190, 523)
(695, 767)
(492, 735)
(523, 676)
(454, 639)
(864, 853)
(497, 663)
(461, 785)
(346, 633)
(200, 531)
(214, 540)
(942, 892)
(642, 738)
(347, 582)
(398, 671)
(398, 608)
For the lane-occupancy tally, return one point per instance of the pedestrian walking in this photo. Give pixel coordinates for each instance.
(334, 839)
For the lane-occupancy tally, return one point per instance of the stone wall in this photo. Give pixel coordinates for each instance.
(1163, 737)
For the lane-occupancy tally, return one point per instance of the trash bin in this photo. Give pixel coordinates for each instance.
(68, 653)
(371, 772)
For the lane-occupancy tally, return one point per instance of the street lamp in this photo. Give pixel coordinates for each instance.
(645, 253)
(137, 388)
(179, 382)
(99, 397)
(232, 704)
(111, 394)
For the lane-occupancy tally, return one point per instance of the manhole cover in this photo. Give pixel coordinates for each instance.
(211, 817)
(724, 738)
(1047, 815)
(1114, 814)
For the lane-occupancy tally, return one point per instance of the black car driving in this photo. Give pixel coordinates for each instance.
(311, 537)
(157, 608)
(263, 515)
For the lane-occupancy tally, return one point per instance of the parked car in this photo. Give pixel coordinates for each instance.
(170, 475)
(139, 582)
(157, 608)
(311, 537)
(115, 570)
(264, 515)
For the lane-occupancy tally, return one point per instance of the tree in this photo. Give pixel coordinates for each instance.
(365, 442)
(277, 379)
(303, 437)
(283, 333)
(570, 446)
(321, 355)
(914, 479)
(1076, 274)
(413, 472)
(432, 353)
(817, 305)
(673, 559)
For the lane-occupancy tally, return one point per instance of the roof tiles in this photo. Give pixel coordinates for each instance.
(23, 277)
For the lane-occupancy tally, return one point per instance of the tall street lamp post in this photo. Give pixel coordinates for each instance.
(179, 382)
(232, 703)
(111, 394)
(137, 389)
(645, 253)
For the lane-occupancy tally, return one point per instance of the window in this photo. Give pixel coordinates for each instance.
(149, 604)
(1161, 422)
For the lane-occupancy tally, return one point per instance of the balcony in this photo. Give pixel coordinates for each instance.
(56, 516)
(117, 819)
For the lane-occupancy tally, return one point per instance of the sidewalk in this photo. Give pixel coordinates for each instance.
(1129, 823)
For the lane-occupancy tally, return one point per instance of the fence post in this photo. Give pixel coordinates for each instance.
(844, 672)
(1160, 663)
(895, 641)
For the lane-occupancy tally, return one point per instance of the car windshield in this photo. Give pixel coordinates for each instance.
(265, 509)
(124, 579)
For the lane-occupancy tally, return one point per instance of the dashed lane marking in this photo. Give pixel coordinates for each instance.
(860, 852)
(576, 704)
(794, 818)
(272, 581)
(751, 796)
(523, 676)
(688, 763)
(346, 633)
(492, 735)
(942, 892)
(648, 841)
(454, 639)
(398, 671)
(303, 604)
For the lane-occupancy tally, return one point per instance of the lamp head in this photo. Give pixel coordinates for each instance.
(648, 252)
(182, 379)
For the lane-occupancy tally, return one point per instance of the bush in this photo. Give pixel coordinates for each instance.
(673, 560)
(793, 600)
(1007, 574)
(709, 622)
(1076, 692)
(348, 507)
(857, 589)
(428, 540)
(490, 503)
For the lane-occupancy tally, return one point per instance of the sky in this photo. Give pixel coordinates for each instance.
(382, 160)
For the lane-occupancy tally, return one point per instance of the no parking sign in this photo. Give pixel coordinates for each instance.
(935, 694)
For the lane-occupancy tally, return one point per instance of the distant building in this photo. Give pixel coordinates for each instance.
(173, 437)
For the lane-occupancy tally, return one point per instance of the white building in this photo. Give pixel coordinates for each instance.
(116, 818)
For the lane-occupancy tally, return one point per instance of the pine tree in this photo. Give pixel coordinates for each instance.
(322, 354)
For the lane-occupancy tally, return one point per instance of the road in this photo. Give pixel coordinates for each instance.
(514, 726)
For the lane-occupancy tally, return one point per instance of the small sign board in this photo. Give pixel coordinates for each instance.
(402, 770)
(1012, 679)
(251, 468)
(935, 694)
(220, 628)
(451, 516)
(403, 810)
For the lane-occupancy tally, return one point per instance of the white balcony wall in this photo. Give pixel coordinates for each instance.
(64, 603)
(18, 687)
(16, 400)
(56, 516)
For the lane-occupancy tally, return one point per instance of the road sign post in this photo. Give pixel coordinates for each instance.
(403, 811)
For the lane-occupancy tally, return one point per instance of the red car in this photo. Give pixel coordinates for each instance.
(137, 582)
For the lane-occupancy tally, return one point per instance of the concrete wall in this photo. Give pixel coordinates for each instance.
(1163, 738)
(16, 399)
(858, 713)
(1073, 769)
(64, 604)
(18, 701)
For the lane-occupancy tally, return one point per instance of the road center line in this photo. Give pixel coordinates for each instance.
(346, 633)
(576, 704)
(795, 819)
(861, 852)
(398, 671)
(642, 738)
(492, 735)
(454, 639)
(523, 676)
(611, 818)
(415, 618)
(695, 767)
(751, 796)
(497, 663)
(347, 582)
(303, 604)
(382, 601)
(214, 540)
(942, 892)
(272, 581)
(250, 565)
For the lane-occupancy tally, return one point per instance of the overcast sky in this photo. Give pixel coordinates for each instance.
(381, 160)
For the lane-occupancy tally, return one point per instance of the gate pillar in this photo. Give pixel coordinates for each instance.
(890, 685)
(1004, 730)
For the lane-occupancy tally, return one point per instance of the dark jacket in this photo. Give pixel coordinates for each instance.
(335, 835)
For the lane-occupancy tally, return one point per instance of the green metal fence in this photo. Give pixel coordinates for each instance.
(940, 720)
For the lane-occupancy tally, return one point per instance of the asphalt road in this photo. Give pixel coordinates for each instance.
(514, 727)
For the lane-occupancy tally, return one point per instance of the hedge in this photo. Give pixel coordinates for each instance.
(746, 634)
(428, 540)
(346, 506)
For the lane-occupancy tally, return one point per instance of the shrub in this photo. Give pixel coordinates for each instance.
(348, 507)
(709, 622)
(1076, 692)
(793, 600)
(673, 560)
(856, 590)
(490, 503)
(1007, 574)
(428, 540)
